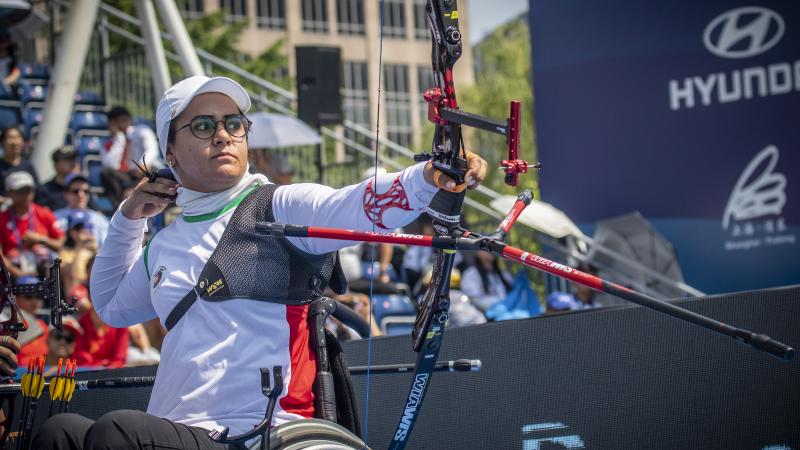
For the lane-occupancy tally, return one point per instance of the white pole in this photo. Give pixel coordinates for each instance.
(154, 47)
(64, 81)
(183, 44)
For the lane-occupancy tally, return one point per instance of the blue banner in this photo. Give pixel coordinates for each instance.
(688, 112)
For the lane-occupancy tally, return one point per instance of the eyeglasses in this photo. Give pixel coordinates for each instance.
(204, 127)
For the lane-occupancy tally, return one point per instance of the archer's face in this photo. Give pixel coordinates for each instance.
(208, 165)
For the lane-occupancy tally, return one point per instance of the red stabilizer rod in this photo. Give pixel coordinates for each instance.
(445, 242)
(523, 200)
(472, 241)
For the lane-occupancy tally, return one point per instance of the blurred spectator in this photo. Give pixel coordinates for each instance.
(61, 344)
(140, 352)
(128, 143)
(28, 232)
(51, 194)
(358, 272)
(79, 247)
(100, 345)
(416, 260)
(9, 70)
(462, 311)
(34, 340)
(560, 302)
(76, 195)
(484, 282)
(585, 296)
(581, 297)
(275, 166)
(13, 144)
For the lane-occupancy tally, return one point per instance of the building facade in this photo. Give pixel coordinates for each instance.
(354, 26)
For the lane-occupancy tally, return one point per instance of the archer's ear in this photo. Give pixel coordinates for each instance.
(170, 153)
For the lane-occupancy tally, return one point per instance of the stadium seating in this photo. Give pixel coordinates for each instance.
(88, 120)
(34, 71)
(392, 305)
(29, 93)
(393, 312)
(6, 93)
(9, 116)
(92, 166)
(103, 204)
(367, 267)
(31, 118)
(90, 144)
(89, 98)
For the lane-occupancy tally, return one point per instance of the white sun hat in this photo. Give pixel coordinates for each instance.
(178, 97)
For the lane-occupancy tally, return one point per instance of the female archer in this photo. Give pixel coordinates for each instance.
(229, 299)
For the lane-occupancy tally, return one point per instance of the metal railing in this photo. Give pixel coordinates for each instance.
(129, 86)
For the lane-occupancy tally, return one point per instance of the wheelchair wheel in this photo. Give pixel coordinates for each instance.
(312, 434)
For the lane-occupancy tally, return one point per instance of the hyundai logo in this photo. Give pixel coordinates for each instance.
(743, 32)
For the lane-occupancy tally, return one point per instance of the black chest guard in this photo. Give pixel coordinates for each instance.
(246, 264)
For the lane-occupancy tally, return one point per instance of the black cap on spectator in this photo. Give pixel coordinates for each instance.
(65, 152)
(118, 111)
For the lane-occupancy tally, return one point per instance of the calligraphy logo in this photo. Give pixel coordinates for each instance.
(757, 195)
(743, 32)
(753, 215)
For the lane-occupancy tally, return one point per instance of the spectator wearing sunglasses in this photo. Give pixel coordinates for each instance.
(28, 232)
(128, 143)
(61, 343)
(77, 196)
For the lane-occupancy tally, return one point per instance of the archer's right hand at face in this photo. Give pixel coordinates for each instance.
(149, 198)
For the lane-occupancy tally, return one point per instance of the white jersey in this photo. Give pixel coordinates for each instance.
(209, 372)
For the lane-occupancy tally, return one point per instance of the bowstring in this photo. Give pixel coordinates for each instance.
(372, 246)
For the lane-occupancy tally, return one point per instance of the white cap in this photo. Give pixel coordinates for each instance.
(178, 97)
(19, 180)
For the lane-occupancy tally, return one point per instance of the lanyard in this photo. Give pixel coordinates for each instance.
(16, 230)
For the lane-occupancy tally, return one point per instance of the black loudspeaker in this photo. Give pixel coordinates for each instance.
(319, 69)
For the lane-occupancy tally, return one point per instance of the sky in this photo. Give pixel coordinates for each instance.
(486, 15)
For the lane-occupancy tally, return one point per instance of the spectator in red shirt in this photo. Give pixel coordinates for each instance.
(34, 339)
(100, 345)
(28, 232)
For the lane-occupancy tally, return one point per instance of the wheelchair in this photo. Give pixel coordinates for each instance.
(324, 432)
